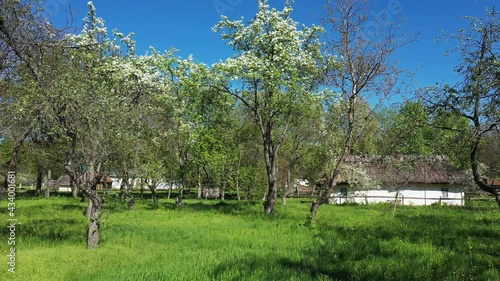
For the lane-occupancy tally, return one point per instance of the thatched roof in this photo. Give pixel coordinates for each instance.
(406, 169)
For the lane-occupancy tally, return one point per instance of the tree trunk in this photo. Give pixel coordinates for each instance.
(122, 190)
(332, 181)
(153, 195)
(170, 186)
(89, 209)
(199, 184)
(94, 232)
(143, 181)
(314, 210)
(88, 185)
(270, 153)
(47, 187)
(74, 188)
(223, 191)
(39, 181)
(178, 199)
(289, 189)
(395, 201)
(131, 203)
(238, 188)
(324, 197)
(130, 188)
(480, 181)
(152, 187)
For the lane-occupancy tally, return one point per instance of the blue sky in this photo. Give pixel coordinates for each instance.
(186, 25)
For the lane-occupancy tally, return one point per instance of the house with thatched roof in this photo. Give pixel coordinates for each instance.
(410, 180)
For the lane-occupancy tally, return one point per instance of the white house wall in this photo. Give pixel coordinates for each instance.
(408, 195)
(161, 185)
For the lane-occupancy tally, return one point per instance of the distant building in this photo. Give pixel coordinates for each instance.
(411, 180)
(302, 187)
(63, 183)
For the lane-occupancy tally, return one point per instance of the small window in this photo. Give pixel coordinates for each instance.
(343, 191)
(444, 192)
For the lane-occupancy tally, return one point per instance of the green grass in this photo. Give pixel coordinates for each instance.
(210, 240)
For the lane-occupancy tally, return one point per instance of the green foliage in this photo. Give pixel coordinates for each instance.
(490, 153)
(413, 129)
(409, 132)
(231, 241)
(5, 150)
(452, 134)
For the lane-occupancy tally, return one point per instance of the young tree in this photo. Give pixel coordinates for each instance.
(301, 141)
(361, 66)
(275, 69)
(477, 96)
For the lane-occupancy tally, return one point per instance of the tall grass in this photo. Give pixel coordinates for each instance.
(210, 240)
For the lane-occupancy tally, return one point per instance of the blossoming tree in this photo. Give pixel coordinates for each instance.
(272, 74)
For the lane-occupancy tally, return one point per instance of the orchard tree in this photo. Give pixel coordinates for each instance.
(273, 74)
(360, 66)
(97, 108)
(138, 85)
(477, 96)
(28, 42)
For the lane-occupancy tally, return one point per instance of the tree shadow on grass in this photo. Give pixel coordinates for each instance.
(220, 207)
(261, 268)
(449, 231)
(411, 247)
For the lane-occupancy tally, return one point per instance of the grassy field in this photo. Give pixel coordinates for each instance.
(210, 240)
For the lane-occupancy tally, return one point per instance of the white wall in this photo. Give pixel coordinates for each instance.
(161, 186)
(409, 195)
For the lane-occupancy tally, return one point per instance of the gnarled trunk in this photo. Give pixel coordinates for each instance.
(87, 183)
(480, 181)
(322, 199)
(94, 233)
